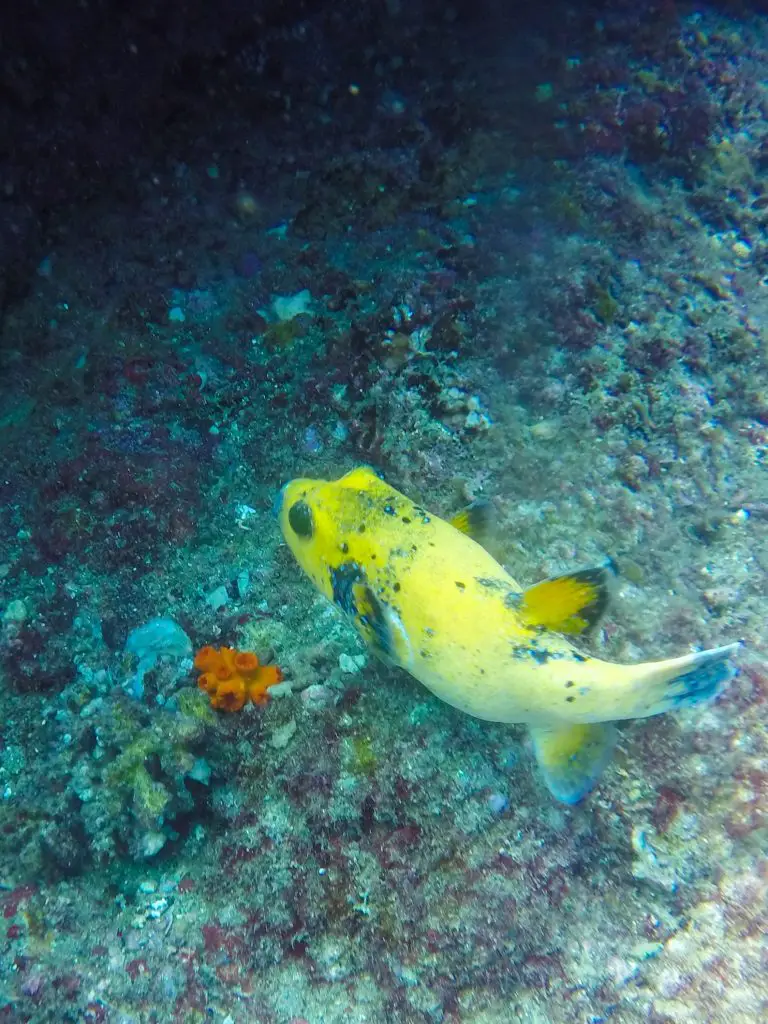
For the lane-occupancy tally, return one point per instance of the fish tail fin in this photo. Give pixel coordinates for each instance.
(682, 682)
(572, 757)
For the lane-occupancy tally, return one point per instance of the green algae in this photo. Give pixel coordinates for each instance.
(363, 760)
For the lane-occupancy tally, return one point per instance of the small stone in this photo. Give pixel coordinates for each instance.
(33, 985)
(544, 430)
(92, 708)
(150, 844)
(497, 803)
(243, 513)
(317, 697)
(287, 307)
(281, 737)
(284, 689)
(217, 598)
(647, 950)
(243, 584)
(157, 908)
(16, 611)
(741, 250)
(350, 664)
(719, 598)
(200, 772)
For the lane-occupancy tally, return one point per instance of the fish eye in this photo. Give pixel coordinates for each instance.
(300, 519)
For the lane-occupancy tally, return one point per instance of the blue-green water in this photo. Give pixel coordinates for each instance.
(500, 256)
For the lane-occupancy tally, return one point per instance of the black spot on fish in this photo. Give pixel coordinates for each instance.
(343, 547)
(406, 520)
(491, 583)
(396, 587)
(570, 699)
(361, 528)
(569, 684)
(540, 657)
(460, 585)
(425, 654)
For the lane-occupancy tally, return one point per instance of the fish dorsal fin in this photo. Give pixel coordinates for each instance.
(474, 521)
(572, 757)
(573, 603)
(361, 477)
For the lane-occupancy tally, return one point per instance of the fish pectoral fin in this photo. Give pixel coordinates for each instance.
(572, 757)
(572, 604)
(371, 622)
(474, 521)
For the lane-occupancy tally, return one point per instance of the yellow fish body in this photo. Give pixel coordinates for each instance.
(426, 596)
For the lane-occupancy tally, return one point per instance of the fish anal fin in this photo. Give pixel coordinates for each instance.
(572, 757)
(572, 604)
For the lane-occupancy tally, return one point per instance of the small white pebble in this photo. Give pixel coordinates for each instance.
(741, 250)
(16, 611)
(283, 689)
(217, 598)
(242, 514)
(282, 737)
(318, 696)
(544, 430)
(157, 907)
(350, 664)
(243, 584)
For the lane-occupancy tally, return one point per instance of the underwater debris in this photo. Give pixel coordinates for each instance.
(155, 639)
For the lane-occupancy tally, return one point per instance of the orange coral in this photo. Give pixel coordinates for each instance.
(231, 678)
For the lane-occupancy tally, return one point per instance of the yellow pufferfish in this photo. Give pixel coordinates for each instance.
(426, 596)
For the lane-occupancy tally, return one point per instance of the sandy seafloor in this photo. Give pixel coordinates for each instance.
(525, 263)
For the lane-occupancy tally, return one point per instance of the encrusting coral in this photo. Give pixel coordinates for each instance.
(232, 678)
